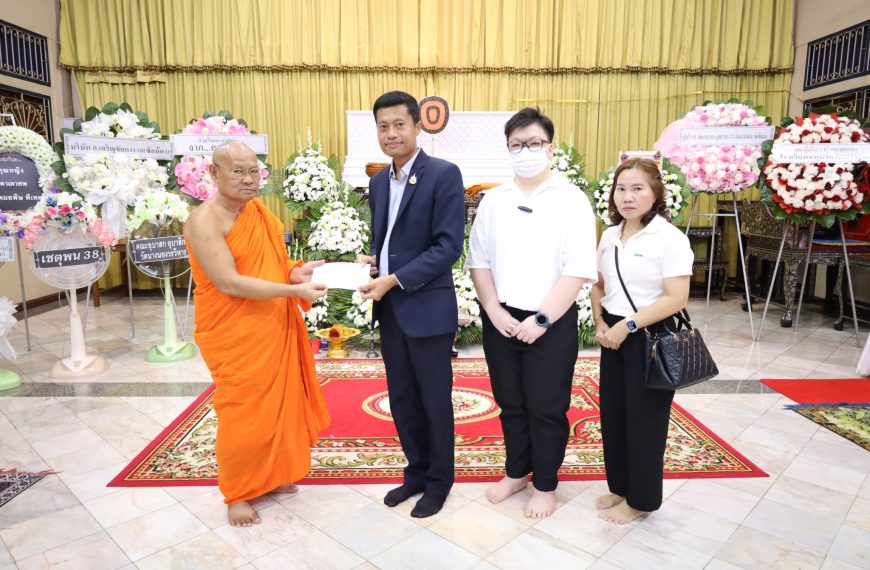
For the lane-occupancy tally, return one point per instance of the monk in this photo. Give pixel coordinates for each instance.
(252, 337)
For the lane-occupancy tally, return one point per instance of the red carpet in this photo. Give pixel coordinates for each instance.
(361, 444)
(809, 391)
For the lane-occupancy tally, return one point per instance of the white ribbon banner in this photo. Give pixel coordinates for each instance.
(723, 136)
(7, 249)
(205, 144)
(81, 145)
(812, 153)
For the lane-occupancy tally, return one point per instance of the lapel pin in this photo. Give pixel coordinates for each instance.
(413, 179)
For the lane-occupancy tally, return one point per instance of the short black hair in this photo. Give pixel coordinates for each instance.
(528, 116)
(394, 98)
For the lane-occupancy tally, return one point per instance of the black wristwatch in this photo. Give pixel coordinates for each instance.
(542, 320)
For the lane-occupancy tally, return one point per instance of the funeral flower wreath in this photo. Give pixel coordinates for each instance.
(33, 146)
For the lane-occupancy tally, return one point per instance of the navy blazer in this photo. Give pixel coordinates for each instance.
(426, 241)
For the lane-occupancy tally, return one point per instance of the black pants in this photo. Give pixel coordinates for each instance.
(532, 385)
(420, 382)
(634, 423)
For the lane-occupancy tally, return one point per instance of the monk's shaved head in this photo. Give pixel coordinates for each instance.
(232, 151)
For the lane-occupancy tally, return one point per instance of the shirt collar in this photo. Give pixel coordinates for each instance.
(654, 226)
(555, 181)
(405, 170)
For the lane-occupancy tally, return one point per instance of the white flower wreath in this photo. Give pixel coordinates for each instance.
(33, 146)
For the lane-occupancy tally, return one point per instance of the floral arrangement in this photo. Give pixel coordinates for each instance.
(189, 174)
(569, 161)
(360, 312)
(712, 168)
(585, 322)
(317, 315)
(821, 191)
(33, 146)
(111, 181)
(466, 298)
(339, 230)
(308, 176)
(66, 210)
(676, 192)
(159, 208)
(7, 323)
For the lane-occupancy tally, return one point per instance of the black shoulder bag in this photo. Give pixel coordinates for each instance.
(674, 359)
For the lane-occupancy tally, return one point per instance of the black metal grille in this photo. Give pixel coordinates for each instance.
(23, 54)
(31, 110)
(855, 100)
(839, 56)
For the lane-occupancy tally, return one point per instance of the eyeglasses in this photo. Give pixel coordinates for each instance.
(533, 145)
(241, 173)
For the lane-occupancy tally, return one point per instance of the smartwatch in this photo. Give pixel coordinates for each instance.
(542, 320)
(632, 326)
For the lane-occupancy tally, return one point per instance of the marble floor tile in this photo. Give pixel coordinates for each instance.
(830, 476)
(323, 504)
(48, 531)
(46, 496)
(74, 441)
(127, 504)
(810, 497)
(143, 536)
(696, 529)
(834, 564)
(74, 463)
(94, 551)
(806, 528)
(579, 526)
(278, 528)
(209, 506)
(425, 550)
(749, 548)
(535, 549)
(478, 529)
(715, 499)
(371, 530)
(314, 551)
(644, 549)
(206, 551)
(859, 514)
(851, 545)
(90, 485)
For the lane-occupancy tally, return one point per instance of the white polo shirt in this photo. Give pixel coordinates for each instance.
(657, 252)
(528, 251)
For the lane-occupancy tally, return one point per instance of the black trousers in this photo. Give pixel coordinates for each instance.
(532, 385)
(420, 382)
(634, 423)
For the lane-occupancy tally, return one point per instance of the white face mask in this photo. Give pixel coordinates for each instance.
(528, 164)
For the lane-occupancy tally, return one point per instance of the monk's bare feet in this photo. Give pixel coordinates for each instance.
(286, 489)
(607, 501)
(242, 514)
(621, 513)
(505, 488)
(541, 504)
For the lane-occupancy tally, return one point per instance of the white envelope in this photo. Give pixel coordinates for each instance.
(342, 275)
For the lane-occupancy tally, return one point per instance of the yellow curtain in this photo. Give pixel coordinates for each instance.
(610, 73)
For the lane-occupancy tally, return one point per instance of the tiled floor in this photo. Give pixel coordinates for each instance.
(812, 512)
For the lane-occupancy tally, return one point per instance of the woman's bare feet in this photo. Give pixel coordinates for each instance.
(505, 488)
(607, 501)
(621, 513)
(286, 489)
(242, 514)
(541, 504)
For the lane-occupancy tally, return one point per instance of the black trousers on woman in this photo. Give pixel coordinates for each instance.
(634, 423)
(532, 385)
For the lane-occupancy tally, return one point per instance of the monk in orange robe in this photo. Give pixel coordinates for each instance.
(253, 338)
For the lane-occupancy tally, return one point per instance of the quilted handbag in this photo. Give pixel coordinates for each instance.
(675, 358)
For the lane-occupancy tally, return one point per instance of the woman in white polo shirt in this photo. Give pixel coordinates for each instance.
(655, 261)
(532, 247)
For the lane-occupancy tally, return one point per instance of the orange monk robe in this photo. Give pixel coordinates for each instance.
(268, 403)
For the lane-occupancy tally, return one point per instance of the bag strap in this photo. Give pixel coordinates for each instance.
(682, 316)
(621, 282)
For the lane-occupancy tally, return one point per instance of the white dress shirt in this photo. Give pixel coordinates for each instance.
(529, 249)
(397, 190)
(657, 252)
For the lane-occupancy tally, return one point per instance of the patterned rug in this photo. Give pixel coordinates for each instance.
(851, 421)
(361, 445)
(13, 483)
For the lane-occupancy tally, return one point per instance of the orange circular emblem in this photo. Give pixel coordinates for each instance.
(434, 113)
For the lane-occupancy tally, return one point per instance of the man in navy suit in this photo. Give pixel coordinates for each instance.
(418, 229)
